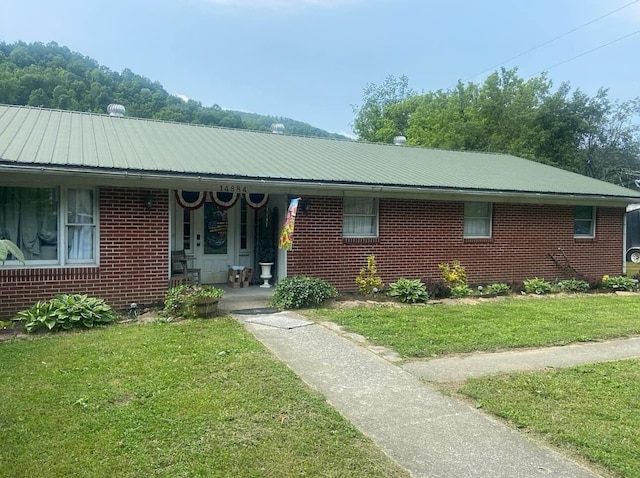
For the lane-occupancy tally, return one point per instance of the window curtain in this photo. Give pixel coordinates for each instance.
(360, 216)
(477, 219)
(80, 224)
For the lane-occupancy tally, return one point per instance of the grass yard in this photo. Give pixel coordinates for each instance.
(434, 330)
(633, 269)
(193, 398)
(592, 410)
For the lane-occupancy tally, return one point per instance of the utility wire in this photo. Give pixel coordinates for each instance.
(557, 38)
(584, 53)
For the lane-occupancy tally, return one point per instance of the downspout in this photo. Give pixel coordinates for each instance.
(624, 243)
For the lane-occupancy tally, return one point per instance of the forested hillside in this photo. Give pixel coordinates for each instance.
(53, 76)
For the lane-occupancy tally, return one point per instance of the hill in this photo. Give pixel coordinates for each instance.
(53, 76)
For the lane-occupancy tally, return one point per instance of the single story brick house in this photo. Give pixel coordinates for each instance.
(98, 202)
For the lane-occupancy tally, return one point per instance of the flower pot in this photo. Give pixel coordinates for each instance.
(265, 273)
(206, 308)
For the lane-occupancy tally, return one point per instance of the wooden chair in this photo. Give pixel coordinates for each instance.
(181, 273)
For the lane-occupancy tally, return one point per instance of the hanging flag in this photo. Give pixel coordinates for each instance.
(190, 199)
(256, 201)
(224, 199)
(286, 236)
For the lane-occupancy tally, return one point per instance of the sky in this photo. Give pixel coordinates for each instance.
(309, 60)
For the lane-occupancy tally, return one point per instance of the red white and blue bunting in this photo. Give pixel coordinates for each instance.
(256, 201)
(224, 200)
(190, 199)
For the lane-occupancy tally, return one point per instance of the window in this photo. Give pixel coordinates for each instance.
(584, 223)
(32, 219)
(360, 217)
(477, 219)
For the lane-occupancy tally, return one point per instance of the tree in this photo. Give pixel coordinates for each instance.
(508, 114)
(383, 113)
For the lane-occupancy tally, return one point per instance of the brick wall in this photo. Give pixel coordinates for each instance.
(416, 236)
(134, 245)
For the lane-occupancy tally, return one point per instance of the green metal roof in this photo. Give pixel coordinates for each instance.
(44, 138)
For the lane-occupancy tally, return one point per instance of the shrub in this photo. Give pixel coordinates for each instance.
(454, 274)
(437, 289)
(461, 291)
(537, 286)
(619, 283)
(573, 285)
(181, 300)
(67, 311)
(368, 280)
(499, 288)
(301, 291)
(409, 290)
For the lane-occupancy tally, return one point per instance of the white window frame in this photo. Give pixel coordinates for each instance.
(375, 216)
(488, 218)
(62, 228)
(592, 227)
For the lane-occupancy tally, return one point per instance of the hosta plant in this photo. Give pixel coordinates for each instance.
(67, 311)
(537, 286)
(409, 290)
(573, 285)
(460, 291)
(616, 283)
(499, 288)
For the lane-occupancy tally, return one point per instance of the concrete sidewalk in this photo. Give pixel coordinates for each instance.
(424, 431)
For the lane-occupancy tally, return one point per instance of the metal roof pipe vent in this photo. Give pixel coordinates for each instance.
(399, 140)
(115, 110)
(277, 128)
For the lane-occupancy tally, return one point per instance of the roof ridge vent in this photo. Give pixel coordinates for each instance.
(115, 109)
(277, 128)
(400, 140)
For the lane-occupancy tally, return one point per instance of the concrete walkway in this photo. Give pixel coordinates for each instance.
(429, 434)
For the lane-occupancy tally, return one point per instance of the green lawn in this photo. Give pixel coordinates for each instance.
(592, 410)
(433, 330)
(193, 398)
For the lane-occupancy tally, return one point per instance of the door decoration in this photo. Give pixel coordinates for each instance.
(215, 229)
(225, 200)
(256, 201)
(190, 199)
(286, 236)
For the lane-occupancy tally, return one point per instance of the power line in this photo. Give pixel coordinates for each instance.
(585, 53)
(557, 38)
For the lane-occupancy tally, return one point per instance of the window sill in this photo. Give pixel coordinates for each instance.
(477, 240)
(360, 240)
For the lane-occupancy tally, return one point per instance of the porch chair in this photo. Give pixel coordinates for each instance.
(181, 273)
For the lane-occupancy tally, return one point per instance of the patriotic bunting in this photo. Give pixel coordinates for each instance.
(190, 199)
(224, 199)
(256, 201)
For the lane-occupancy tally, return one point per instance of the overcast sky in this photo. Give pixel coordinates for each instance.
(309, 60)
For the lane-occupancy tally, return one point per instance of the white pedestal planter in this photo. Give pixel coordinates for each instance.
(265, 273)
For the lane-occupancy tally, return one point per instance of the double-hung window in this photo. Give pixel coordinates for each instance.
(584, 222)
(477, 220)
(360, 217)
(51, 226)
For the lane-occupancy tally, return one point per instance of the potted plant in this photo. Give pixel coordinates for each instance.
(191, 301)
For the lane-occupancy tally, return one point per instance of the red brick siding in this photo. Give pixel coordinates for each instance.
(134, 258)
(416, 236)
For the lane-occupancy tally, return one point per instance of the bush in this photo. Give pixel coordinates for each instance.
(461, 291)
(454, 274)
(368, 280)
(437, 289)
(181, 300)
(65, 312)
(409, 290)
(573, 285)
(537, 286)
(619, 283)
(499, 288)
(301, 291)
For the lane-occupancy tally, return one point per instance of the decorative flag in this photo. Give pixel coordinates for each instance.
(256, 201)
(224, 199)
(190, 199)
(286, 237)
